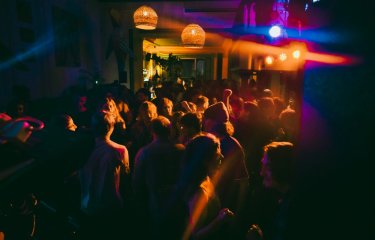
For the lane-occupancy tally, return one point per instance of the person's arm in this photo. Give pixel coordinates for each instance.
(224, 215)
(196, 207)
(125, 161)
(226, 95)
(186, 106)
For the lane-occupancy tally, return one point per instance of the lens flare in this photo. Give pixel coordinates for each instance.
(269, 60)
(275, 31)
(282, 57)
(296, 54)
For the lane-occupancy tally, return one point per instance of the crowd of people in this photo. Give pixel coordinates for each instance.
(207, 162)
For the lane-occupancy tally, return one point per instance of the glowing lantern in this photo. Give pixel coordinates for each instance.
(269, 60)
(193, 36)
(282, 57)
(145, 18)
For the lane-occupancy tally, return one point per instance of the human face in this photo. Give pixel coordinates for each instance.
(71, 125)
(149, 114)
(110, 106)
(265, 172)
(167, 109)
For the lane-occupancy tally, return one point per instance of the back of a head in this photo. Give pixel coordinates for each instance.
(217, 112)
(200, 152)
(279, 104)
(161, 126)
(250, 107)
(267, 93)
(280, 157)
(288, 116)
(218, 120)
(143, 94)
(202, 102)
(166, 101)
(192, 121)
(102, 123)
(266, 106)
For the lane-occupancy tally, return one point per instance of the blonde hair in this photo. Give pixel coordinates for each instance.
(110, 107)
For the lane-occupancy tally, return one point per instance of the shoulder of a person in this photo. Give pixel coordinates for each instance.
(118, 147)
(179, 146)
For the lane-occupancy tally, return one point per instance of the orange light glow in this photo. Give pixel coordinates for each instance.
(296, 54)
(283, 57)
(327, 58)
(269, 60)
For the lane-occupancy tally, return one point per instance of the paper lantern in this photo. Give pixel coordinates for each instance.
(145, 18)
(193, 36)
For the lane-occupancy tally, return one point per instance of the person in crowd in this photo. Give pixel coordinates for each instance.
(235, 176)
(266, 93)
(247, 131)
(202, 103)
(140, 133)
(207, 218)
(279, 104)
(141, 95)
(288, 125)
(176, 127)
(119, 134)
(100, 178)
(278, 172)
(190, 127)
(237, 105)
(66, 122)
(125, 112)
(165, 108)
(268, 126)
(233, 182)
(156, 170)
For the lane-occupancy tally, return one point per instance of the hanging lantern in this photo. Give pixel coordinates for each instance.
(145, 18)
(193, 36)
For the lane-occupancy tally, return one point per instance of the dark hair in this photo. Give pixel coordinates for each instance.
(161, 126)
(102, 123)
(143, 91)
(223, 129)
(281, 160)
(199, 154)
(191, 120)
(201, 100)
(251, 107)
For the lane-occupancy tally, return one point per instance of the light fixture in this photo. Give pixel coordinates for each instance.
(193, 36)
(269, 60)
(282, 57)
(145, 18)
(296, 54)
(275, 31)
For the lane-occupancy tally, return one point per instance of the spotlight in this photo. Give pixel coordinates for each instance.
(296, 54)
(269, 60)
(282, 57)
(275, 31)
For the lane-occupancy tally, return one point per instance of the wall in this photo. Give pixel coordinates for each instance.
(32, 43)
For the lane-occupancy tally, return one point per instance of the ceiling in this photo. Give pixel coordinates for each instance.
(212, 15)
